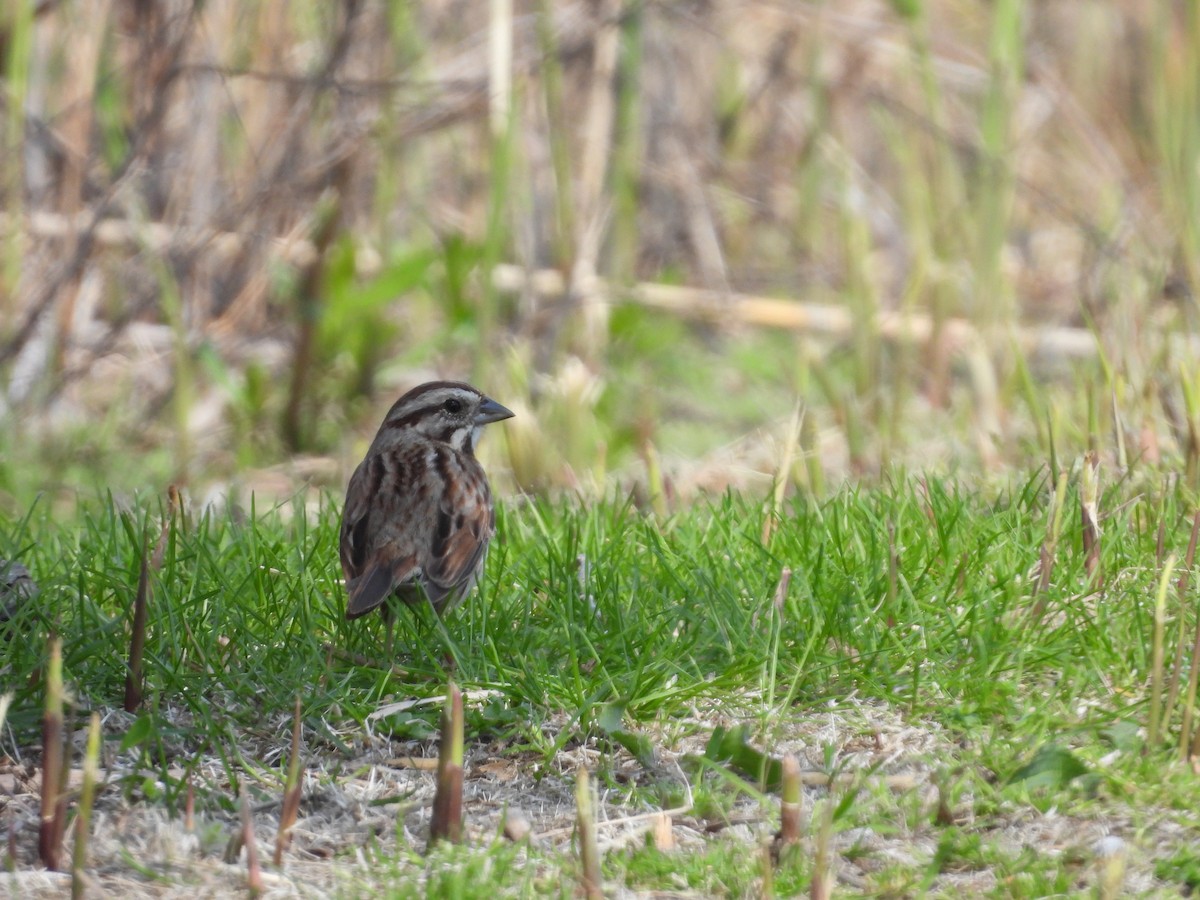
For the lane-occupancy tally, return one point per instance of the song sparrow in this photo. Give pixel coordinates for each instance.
(16, 588)
(418, 513)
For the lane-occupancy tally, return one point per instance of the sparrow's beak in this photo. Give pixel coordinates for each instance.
(491, 411)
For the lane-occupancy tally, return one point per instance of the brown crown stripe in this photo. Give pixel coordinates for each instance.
(419, 392)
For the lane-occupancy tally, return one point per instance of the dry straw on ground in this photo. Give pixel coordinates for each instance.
(341, 817)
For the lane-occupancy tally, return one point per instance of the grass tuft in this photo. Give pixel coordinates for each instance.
(606, 636)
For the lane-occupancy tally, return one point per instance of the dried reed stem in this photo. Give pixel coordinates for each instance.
(791, 807)
(585, 823)
(51, 827)
(905, 327)
(447, 820)
(1049, 548)
(500, 55)
(821, 887)
(1156, 664)
(83, 818)
(787, 456)
(254, 879)
(1181, 589)
(1089, 511)
(189, 804)
(291, 792)
(597, 148)
(137, 639)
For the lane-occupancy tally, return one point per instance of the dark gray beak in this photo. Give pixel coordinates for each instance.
(490, 411)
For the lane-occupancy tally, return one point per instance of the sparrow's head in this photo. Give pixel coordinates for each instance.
(447, 411)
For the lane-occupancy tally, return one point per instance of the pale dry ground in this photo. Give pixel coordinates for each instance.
(342, 819)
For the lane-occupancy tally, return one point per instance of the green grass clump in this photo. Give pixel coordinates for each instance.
(608, 627)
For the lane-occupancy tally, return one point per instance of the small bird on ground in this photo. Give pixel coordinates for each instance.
(418, 514)
(16, 588)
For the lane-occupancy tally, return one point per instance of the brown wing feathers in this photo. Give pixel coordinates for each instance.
(460, 539)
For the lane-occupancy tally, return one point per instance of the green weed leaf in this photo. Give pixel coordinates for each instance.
(1051, 767)
(139, 732)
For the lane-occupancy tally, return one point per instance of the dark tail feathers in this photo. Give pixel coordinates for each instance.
(369, 591)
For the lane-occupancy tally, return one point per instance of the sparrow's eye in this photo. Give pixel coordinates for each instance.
(453, 406)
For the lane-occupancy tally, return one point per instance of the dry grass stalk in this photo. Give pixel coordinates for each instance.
(134, 675)
(781, 589)
(447, 820)
(500, 58)
(1110, 860)
(1190, 744)
(1045, 565)
(189, 804)
(1157, 653)
(597, 147)
(137, 639)
(903, 327)
(88, 28)
(53, 806)
(791, 442)
(291, 792)
(157, 237)
(254, 879)
(83, 818)
(309, 297)
(893, 585)
(1119, 434)
(10, 848)
(585, 824)
(662, 832)
(1181, 589)
(1089, 509)
(792, 805)
(766, 862)
(655, 483)
(821, 887)
(943, 814)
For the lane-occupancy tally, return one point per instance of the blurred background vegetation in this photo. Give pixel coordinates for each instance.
(693, 243)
